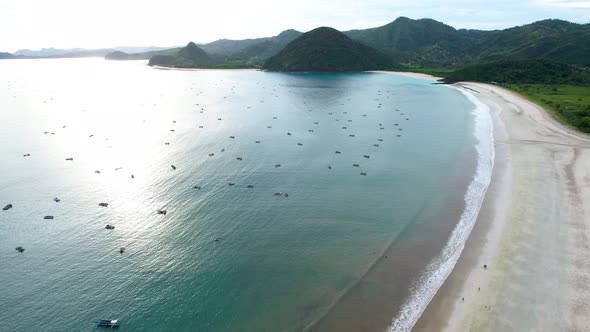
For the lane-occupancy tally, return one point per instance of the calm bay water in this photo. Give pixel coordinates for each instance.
(223, 258)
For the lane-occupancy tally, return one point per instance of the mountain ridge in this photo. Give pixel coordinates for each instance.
(326, 49)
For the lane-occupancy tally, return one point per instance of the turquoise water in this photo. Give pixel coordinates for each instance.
(223, 258)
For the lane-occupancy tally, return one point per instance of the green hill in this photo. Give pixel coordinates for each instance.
(522, 72)
(328, 50)
(190, 56)
(260, 52)
(429, 43)
(250, 50)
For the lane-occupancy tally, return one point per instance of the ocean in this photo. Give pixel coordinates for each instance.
(287, 191)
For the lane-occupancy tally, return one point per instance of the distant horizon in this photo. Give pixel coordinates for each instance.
(66, 24)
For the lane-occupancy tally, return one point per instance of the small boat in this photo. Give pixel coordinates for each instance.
(232, 137)
(351, 135)
(109, 227)
(211, 154)
(257, 142)
(316, 123)
(250, 186)
(20, 249)
(355, 165)
(239, 158)
(311, 130)
(274, 117)
(97, 172)
(7, 207)
(162, 212)
(343, 127)
(103, 204)
(27, 155)
(57, 200)
(197, 187)
(231, 184)
(329, 167)
(338, 152)
(132, 176)
(288, 133)
(268, 127)
(219, 119)
(398, 135)
(380, 140)
(69, 159)
(364, 173)
(376, 145)
(48, 217)
(278, 165)
(173, 167)
(167, 143)
(366, 156)
(300, 144)
(200, 126)
(121, 250)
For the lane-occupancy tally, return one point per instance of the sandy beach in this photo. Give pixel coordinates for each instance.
(531, 234)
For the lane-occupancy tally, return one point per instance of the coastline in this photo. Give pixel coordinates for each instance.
(202, 69)
(532, 231)
(408, 74)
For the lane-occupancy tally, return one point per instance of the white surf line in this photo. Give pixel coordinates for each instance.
(437, 271)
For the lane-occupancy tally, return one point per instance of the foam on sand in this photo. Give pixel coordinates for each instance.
(426, 286)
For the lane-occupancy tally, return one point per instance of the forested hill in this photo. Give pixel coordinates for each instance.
(328, 50)
(522, 72)
(429, 43)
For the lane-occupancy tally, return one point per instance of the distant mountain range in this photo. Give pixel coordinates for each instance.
(428, 43)
(422, 43)
(76, 52)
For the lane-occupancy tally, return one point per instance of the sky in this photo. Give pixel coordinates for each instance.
(35, 24)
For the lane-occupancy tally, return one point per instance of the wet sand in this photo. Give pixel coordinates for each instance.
(532, 231)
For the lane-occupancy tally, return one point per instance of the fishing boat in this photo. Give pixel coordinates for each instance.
(107, 323)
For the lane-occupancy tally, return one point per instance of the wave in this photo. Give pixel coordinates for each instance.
(425, 287)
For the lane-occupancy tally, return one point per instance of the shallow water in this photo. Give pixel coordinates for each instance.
(223, 258)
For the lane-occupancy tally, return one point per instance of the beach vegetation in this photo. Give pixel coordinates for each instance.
(568, 103)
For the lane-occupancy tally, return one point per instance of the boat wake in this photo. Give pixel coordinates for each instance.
(426, 286)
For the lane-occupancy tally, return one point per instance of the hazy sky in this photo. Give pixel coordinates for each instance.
(105, 23)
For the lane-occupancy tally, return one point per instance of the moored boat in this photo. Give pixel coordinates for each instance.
(107, 323)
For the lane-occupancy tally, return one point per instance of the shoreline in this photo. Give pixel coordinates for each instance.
(201, 69)
(542, 174)
(408, 74)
